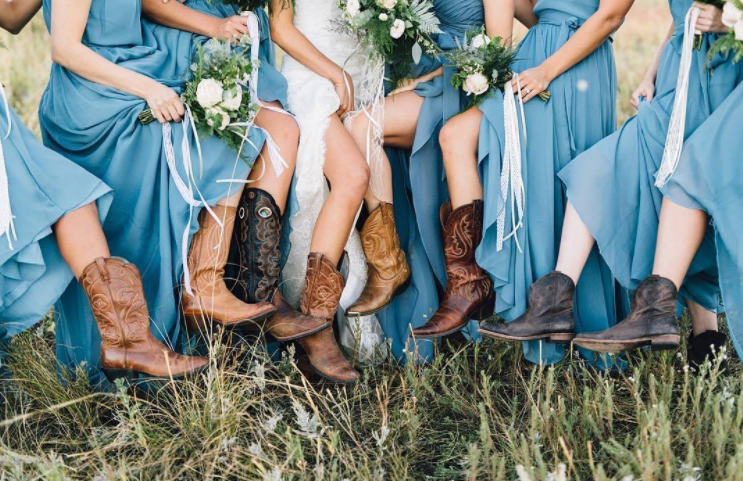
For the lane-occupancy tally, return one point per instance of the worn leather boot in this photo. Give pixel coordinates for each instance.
(387, 266)
(128, 348)
(211, 300)
(706, 347)
(469, 291)
(258, 268)
(320, 299)
(549, 317)
(652, 321)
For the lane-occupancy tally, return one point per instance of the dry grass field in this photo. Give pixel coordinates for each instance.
(478, 412)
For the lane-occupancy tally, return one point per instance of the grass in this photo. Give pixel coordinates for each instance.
(478, 412)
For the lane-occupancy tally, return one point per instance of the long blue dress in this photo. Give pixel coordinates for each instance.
(580, 112)
(43, 187)
(97, 127)
(612, 185)
(710, 178)
(420, 185)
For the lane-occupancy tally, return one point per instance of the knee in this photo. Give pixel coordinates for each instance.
(355, 181)
(459, 135)
(359, 126)
(449, 134)
(286, 132)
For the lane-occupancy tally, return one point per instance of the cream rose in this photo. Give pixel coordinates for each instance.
(731, 15)
(232, 99)
(353, 7)
(480, 41)
(209, 93)
(388, 4)
(398, 28)
(739, 30)
(384, 17)
(476, 84)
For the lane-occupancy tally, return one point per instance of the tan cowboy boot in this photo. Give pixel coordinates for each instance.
(469, 291)
(320, 299)
(211, 300)
(387, 266)
(257, 266)
(128, 348)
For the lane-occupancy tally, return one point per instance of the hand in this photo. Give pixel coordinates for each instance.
(533, 82)
(231, 28)
(165, 103)
(646, 89)
(344, 89)
(407, 85)
(710, 20)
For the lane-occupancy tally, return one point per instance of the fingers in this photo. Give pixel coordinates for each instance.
(173, 112)
(635, 99)
(158, 115)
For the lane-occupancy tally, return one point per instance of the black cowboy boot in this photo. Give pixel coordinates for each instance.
(706, 347)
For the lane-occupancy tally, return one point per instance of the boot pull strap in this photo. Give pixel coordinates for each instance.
(103, 269)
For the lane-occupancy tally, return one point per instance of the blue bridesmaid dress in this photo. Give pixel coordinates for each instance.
(709, 177)
(612, 185)
(43, 187)
(97, 127)
(581, 112)
(420, 186)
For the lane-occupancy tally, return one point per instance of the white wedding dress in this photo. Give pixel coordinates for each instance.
(312, 99)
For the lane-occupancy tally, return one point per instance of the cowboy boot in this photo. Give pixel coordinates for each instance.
(387, 266)
(320, 298)
(257, 241)
(549, 317)
(211, 300)
(705, 348)
(469, 291)
(128, 348)
(652, 321)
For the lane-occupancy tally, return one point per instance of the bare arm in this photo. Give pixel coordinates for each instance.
(294, 43)
(69, 18)
(586, 40)
(646, 89)
(499, 16)
(14, 15)
(177, 15)
(524, 13)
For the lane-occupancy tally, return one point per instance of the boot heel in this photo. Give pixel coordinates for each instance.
(486, 311)
(113, 374)
(562, 338)
(665, 343)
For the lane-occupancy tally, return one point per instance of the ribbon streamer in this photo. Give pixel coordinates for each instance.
(677, 123)
(7, 227)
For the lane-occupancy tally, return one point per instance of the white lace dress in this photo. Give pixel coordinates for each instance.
(312, 99)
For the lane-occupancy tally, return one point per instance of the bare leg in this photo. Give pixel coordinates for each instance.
(401, 113)
(348, 174)
(81, 239)
(576, 244)
(459, 142)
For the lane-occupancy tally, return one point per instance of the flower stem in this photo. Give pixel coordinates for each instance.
(146, 117)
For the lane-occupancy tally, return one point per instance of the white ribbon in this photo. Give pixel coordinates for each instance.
(677, 123)
(7, 227)
(511, 169)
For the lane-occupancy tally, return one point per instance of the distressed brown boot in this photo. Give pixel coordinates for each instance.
(387, 266)
(320, 299)
(128, 348)
(469, 291)
(211, 300)
(549, 317)
(258, 268)
(652, 321)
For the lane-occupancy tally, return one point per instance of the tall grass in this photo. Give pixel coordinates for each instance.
(477, 412)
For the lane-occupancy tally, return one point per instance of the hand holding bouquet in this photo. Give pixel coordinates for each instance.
(732, 42)
(397, 31)
(698, 36)
(252, 5)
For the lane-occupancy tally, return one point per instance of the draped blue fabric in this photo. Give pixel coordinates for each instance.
(97, 127)
(612, 186)
(710, 178)
(420, 184)
(580, 112)
(43, 187)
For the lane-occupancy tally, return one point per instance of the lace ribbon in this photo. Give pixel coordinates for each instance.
(677, 123)
(7, 227)
(511, 168)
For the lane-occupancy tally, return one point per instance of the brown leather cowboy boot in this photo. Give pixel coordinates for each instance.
(652, 321)
(128, 348)
(469, 291)
(388, 268)
(320, 298)
(549, 317)
(211, 300)
(258, 268)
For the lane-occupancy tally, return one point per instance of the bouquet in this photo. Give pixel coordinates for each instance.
(698, 36)
(732, 42)
(396, 31)
(483, 66)
(217, 96)
(252, 5)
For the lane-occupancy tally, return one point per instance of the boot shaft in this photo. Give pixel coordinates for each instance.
(210, 247)
(462, 233)
(382, 244)
(551, 295)
(322, 289)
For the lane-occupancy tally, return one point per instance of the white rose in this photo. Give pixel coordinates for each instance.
(383, 17)
(398, 28)
(209, 93)
(476, 84)
(739, 30)
(225, 121)
(388, 4)
(731, 15)
(353, 7)
(480, 41)
(232, 99)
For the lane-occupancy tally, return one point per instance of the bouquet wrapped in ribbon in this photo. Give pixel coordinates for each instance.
(732, 42)
(252, 5)
(396, 31)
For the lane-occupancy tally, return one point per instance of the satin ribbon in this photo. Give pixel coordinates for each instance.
(7, 226)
